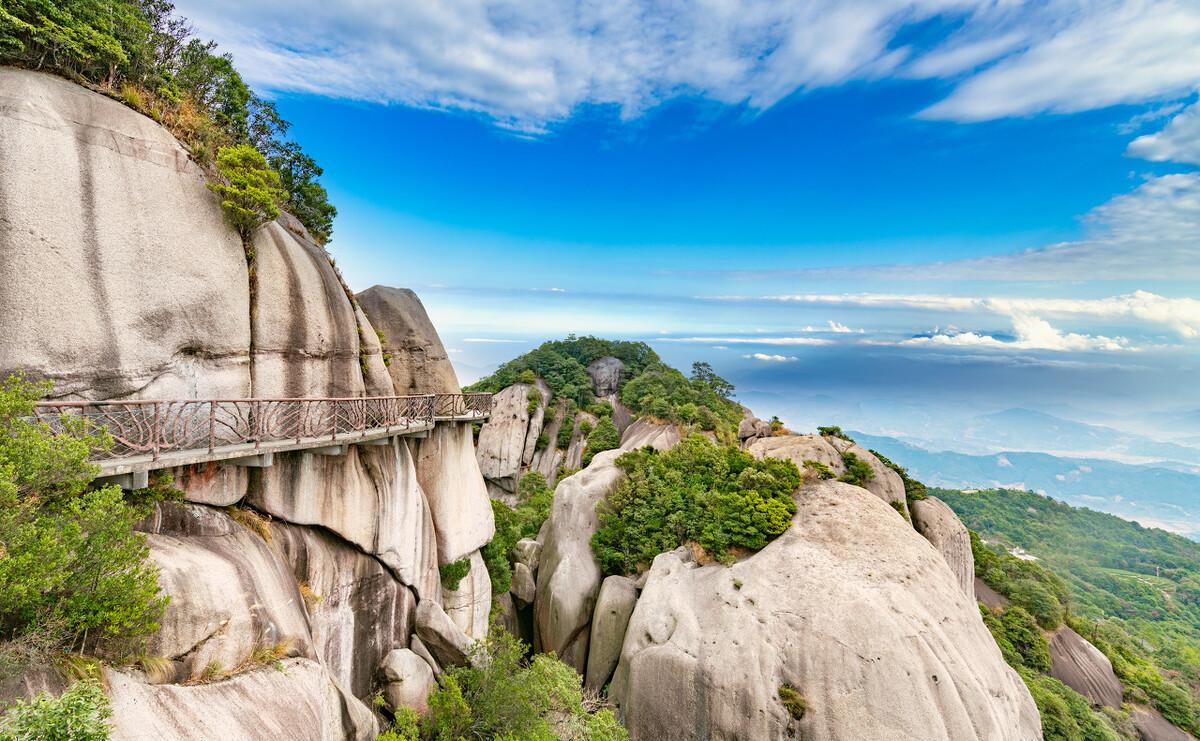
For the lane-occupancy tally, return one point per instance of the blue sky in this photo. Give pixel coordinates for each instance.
(970, 204)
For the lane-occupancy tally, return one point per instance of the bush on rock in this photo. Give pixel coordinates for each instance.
(718, 497)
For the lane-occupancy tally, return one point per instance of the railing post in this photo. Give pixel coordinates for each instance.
(334, 407)
(256, 410)
(155, 432)
(212, 426)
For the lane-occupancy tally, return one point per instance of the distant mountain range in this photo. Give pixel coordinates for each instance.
(1153, 495)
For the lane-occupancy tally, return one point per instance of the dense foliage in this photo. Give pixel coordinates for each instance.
(648, 387)
(73, 573)
(604, 436)
(1132, 591)
(499, 696)
(717, 497)
(562, 364)
(513, 524)
(142, 53)
(79, 714)
(702, 400)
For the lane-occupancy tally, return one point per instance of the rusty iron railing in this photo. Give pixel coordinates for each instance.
(460, 406)
(150, 428)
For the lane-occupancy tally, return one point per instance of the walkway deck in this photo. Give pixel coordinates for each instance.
(147, 435)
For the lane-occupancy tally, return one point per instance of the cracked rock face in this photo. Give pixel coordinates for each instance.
(849, 606)
(418, 363)
(296, 700)
(934, 519)
(1081, 666)
(231, 593)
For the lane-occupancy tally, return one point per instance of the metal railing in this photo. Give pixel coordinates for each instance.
(150, 428)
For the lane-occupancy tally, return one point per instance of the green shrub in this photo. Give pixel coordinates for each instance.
(858, 471)
(702, 401)
(72, 571)
(603, 437)
(542, 441)
(833, 431)
(534, 397)
(914, 490)
(1066, 715)
(513, 524)
(251, 194)
(719, 497)
(453, 573)
(819, 469)
(565, 432)
(79, 714)
(500, 697)
(793, 701)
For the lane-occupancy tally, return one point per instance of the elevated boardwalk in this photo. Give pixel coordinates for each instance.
(147, 435)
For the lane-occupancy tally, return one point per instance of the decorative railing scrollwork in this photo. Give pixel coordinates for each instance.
(149, 428)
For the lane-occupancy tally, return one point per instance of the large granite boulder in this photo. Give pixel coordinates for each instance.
(575, 449)
(408, 680)
(446, 643)
(231, 593)
(458, 499)
(828, 450)
(306, 333)
(643, 433)
(568, 576)
(614, 605)
(296, 700)
(1152, 726)
(418, 363)
(606, 375)
(369, 496)
(121, 277)
(1075, 662)
(357, 610)
(934, 519)
(850, 608)
(502, 440)
(469, 604)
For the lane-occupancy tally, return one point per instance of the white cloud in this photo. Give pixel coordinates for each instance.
(529, 65)
(749, 340)
(1178, 142)
(771, 358)
(1089, 55)
(1182, 315)
(1032, 333)
(842, 328)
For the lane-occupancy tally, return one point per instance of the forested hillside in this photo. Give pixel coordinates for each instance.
(1132, 591)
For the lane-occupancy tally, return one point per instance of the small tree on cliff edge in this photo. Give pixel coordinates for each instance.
(252, 193)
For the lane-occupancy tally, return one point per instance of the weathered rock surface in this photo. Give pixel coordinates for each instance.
(419, 362)
(524, 588)
(454, 488)
(885, 483)
(502, 439)
(212, 483)
(408, 680)
(92, 193)
(568, 577)
(798, 449)
(1084, 668)
(300, 702)
(934, 519)
(606, 375)
(445, 641)
(578, 444)
(468, 606)
(614, 605)
(849, 606)
(306, 334)
(417, 646)
(528, 551)
(644, 433)
(357, 610)
(989, 596)
(230, 592)
(369, 496)
(1151, 726)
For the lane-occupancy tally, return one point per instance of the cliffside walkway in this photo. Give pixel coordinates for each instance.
(148, 435)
